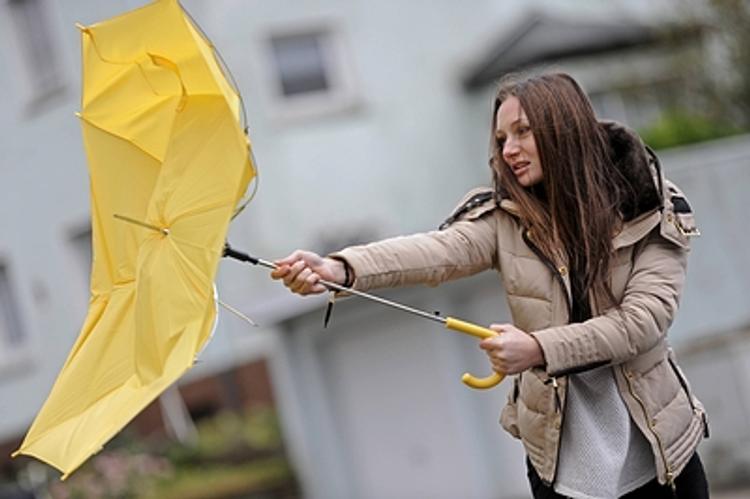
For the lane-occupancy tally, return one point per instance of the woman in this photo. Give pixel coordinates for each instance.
(591, 244)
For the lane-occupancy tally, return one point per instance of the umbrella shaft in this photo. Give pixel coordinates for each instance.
(421, 313)
(244, 257)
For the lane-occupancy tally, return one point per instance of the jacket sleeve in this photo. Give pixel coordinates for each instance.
(464, 248)
(649, 303)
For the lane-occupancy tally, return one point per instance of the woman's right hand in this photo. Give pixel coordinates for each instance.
(302, 270)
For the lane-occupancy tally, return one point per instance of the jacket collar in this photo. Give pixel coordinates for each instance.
(636, 229)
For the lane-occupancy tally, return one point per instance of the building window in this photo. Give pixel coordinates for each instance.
(311, 71)
(81, 241)
(36, 48)
(11, 331)
(300, 63)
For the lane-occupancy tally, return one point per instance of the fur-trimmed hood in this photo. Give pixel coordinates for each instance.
(639, 167)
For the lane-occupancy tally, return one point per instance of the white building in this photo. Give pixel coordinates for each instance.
(362, 128)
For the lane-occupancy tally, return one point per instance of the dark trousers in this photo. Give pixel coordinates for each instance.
(690, 484)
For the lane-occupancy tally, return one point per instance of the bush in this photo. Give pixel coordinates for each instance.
(235, 455)
(677, 128)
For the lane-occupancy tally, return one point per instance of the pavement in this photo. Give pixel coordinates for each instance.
(731, 494)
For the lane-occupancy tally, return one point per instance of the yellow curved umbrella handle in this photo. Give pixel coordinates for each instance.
(482, 333)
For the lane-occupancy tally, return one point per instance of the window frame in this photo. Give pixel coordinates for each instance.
(14, 355)
(342, 93)
(36, 85)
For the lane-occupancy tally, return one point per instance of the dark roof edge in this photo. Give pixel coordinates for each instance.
(483, 72)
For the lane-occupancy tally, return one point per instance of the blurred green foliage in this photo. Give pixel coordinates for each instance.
(675, 128)
(233, 455)
(229, 436)
(731, 19)
(269, 477)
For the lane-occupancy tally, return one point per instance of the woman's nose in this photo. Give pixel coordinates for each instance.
(510, 148)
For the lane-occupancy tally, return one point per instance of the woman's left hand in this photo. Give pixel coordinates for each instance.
(512, 351)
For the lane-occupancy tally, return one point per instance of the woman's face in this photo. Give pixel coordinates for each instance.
(516, 142)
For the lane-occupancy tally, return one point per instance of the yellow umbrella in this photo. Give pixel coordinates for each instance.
(169, 163)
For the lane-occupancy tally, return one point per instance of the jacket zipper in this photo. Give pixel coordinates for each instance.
(559, 406)
(555, 271)
(569, 302)
(670, 476)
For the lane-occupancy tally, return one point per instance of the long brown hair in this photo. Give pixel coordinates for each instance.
(575, 214)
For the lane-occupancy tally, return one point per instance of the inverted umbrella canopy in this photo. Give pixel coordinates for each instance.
(168, 162)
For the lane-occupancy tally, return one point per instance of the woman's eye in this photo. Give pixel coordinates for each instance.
(523, 130)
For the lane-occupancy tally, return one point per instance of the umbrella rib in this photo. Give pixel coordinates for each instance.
(163, 230)
(256, 182)
(111, 133)
(196, 270)
(87, 31)
(194, 245)
(63, 420)
(199, 210)
(223, 66)
(237, 313)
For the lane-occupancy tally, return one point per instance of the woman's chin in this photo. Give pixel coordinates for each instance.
(527, 180)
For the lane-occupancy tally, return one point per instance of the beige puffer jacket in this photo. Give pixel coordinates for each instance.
(647, 276)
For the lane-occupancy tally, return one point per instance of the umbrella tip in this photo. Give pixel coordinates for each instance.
(82, 28)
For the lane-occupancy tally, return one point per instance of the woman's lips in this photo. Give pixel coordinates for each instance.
(520, 168)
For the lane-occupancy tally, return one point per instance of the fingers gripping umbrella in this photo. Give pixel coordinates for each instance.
(169, 163)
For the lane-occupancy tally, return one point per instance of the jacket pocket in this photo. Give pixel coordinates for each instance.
(682, 380)
(686, 388)
(509, 415)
